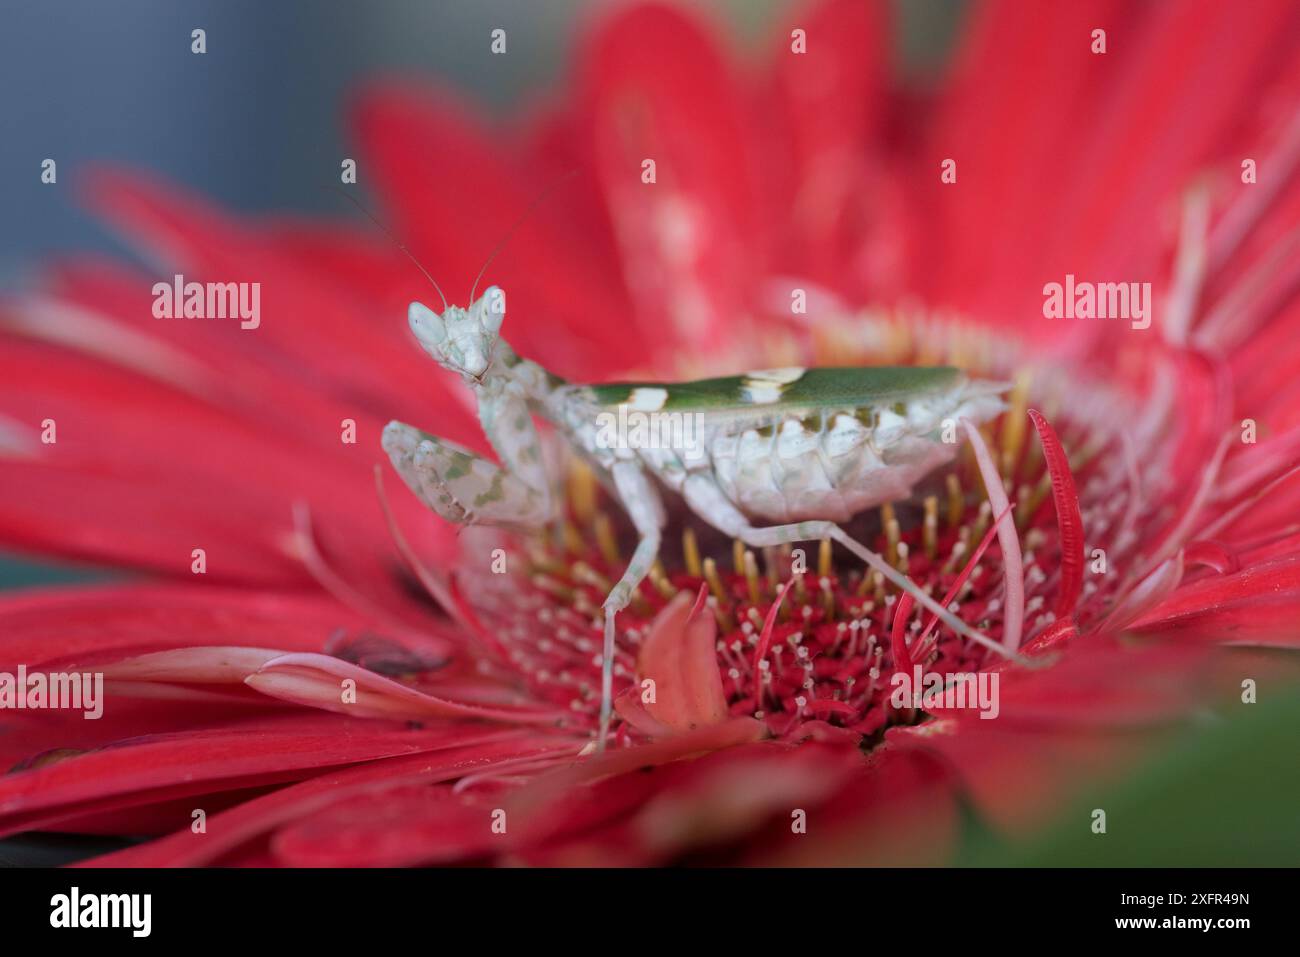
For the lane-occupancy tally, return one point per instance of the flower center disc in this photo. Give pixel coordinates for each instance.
(829, 656)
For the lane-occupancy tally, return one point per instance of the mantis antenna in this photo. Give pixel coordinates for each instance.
(517, 223)
(387, 232)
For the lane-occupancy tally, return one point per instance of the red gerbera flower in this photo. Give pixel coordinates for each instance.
(334, 677)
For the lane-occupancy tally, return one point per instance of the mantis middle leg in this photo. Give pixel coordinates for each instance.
(645, 508)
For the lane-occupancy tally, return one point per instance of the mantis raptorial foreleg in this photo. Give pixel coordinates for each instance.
(462, 486)
(466, 488)
(707, 500)
(508, 424)
(646, 510)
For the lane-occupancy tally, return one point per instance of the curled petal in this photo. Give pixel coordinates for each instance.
(1212, 554)
(210, 665)
(897, 638)
(1014, 615)
(1068, 518)
(317, 681)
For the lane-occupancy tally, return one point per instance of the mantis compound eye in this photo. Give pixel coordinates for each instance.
(427, 325)
(492, 309)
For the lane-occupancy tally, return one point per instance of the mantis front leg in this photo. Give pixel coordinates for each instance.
(465, 487)
(462, 486)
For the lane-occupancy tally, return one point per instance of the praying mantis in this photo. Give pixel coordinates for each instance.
(778, 455)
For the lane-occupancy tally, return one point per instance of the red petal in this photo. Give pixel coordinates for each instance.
(1257, 605)
(76, 623)
(317, 681)
(239, 825)
(1068, 519)
(678, 654)
(240, 754)
(824, 108)
(687, 238)
(897, 639)
(1211, 554)
(138, 464)
(400, 825)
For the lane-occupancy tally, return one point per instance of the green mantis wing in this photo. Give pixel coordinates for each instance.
(770, 391)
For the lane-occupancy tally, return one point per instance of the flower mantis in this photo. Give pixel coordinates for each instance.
(782, 455)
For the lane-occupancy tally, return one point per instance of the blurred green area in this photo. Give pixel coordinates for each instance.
(1221, 794)
(21, 572)
(924, 30)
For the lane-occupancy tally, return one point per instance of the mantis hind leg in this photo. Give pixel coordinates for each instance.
(462, 486)
(708, 501)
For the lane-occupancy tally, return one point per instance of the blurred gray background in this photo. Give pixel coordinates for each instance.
(114, 80)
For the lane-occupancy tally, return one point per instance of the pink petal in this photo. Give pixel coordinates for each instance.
(679, 656)
(317, 681)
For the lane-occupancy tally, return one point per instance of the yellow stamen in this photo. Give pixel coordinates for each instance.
(889, 522)
(691, 553)
(956, 504)
(582, 490)
(573, 542)
(715, 583)
(1013, 423)
(863, 586)
(774, 559)
(824, 567)
(751, 576)
(584, 573)
(660, 581)
(981, 524)
(930, 529)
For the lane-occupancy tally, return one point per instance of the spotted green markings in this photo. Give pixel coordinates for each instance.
(460, 465)
(785, 390)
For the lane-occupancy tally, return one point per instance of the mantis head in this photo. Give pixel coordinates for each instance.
(461, 340)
